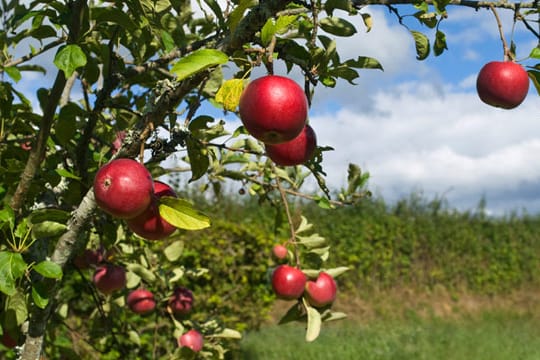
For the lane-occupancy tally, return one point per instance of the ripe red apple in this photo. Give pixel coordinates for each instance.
(294, 152)
(273, 109)
(288, 282)
(181, 301)
(88, 258)
(150, 225)
(7, 340)
(321, 292)
(279, 251)
(123, 188)
(192, 339)
(141, 301)
(502, 84)
(109, 278)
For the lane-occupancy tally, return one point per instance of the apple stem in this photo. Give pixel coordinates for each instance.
(270, 55)
(507, 56)
(289, 217)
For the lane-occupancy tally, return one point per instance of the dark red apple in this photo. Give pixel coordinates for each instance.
(321, 292)
(150, 225)
(141, 301)
(88, 258)
(294, 152)
(288, 282)
(502, 84)
(123, 188)
(273, 109)
(109, 278)
(192, 339)
(181, 301)
(279, 251)
(7, 340)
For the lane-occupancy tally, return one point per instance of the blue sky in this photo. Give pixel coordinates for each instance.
(419, 125)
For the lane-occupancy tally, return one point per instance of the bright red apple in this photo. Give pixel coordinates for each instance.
(181, 301)
(123, 188)
(279, 251)
(294, 152)
(321, 292)
(273, 109)
(192, 339)
(150, 225)
(502, 84)
(109, 278)
(288, 282)
(141, 301)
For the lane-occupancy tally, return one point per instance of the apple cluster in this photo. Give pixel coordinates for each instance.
(124, 188)
(274, 110)
(290, 283)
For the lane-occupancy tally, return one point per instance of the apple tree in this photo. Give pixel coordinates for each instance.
(89, 88)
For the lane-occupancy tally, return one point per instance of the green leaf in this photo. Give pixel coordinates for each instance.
(67, 174)
(364, 62)
(40, 294)
(368, 21)
(12, 267)
(198, 158)
(304, 225)
(534, 75)
(48, 229)
(16, 311)
(229, 94)
(313, 322)
(69, 58)
(167, 41)
(139, 270)
(440, 43)
(48, 269)
(311, 241)
(337, 26)
(293, 314)
(333, 316)
(227, 334)
(335, 272)
(48, 215)
(197, 61)
(180, 213)
(174, 250)
(238, 13)
(13, 73)
(535, 53)
(113, 15)
(422, 45)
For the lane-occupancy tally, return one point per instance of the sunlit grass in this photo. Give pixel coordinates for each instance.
(489, 336)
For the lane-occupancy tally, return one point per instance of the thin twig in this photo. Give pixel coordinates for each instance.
(506, 51)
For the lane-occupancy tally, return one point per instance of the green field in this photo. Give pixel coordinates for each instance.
(490, 336)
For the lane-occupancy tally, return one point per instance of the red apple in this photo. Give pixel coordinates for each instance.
(273, 109)
(321, 292)
(294, 152)
(181, 301)
(117, 143)
(279, 251)
(88, 258)
(192, 339)
(288, 282)
(123, 188)
(141, 301)
(7, 340)
(502, 84)
(150, 225)
(109, 278)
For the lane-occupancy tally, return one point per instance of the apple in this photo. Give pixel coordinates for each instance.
(141, 301)
(294, 152)
(279, 251)
(123, 188)
(150, 225)
(109, 278)
(7, 340)
(502, 84)
(118, 140)
(288, 282)
(322, 291)
(192, 339)
(181, 301)
(273, 109)
(88, 258)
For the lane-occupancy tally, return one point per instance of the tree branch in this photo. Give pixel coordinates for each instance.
(469, 3)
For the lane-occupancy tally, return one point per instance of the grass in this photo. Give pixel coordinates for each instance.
(490, 336)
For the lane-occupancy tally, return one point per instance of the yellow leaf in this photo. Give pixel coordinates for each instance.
(229, 93)
(181, 214)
